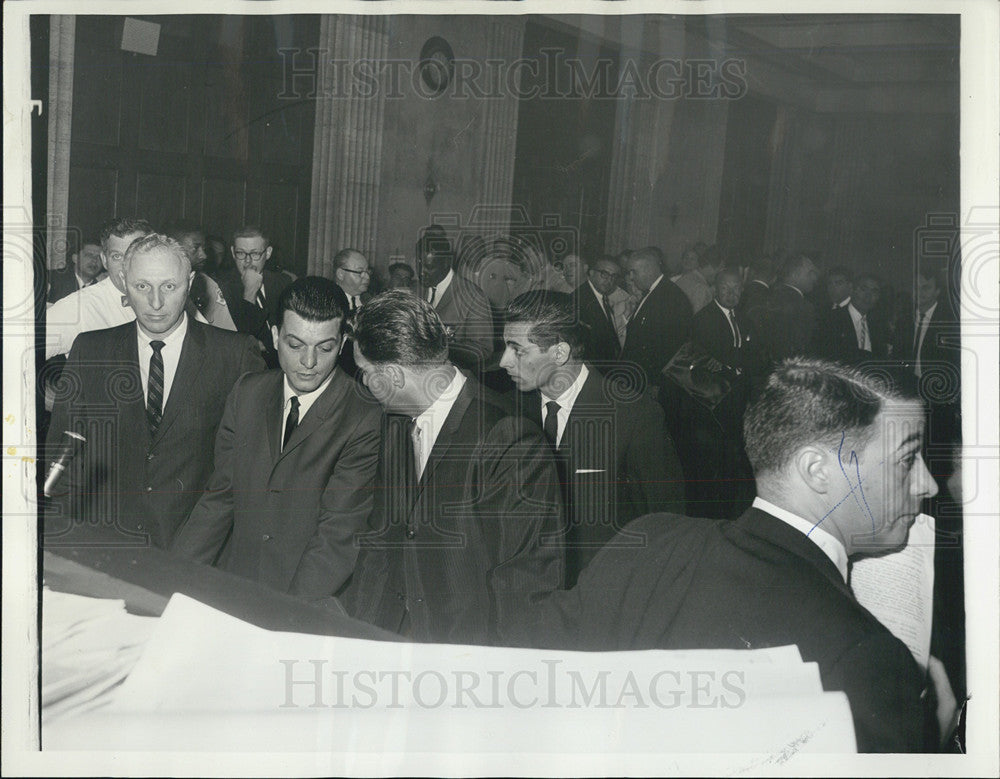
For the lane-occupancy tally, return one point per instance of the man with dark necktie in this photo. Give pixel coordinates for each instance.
(596, 311)
(295, 459)
(353, 275)
(615, 459)
(147, 396)
(467, 528)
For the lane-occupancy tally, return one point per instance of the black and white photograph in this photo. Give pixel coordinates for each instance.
(501, 388)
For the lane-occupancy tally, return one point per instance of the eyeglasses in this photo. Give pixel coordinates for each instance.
(239, 254)
(605, 274)
(365, 272)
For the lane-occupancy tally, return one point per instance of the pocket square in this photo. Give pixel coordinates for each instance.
(591, 470)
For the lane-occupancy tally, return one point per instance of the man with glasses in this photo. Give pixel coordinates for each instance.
(597, 311)
(353, 274)
(253, 295)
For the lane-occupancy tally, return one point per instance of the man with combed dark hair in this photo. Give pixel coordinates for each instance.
(295, 459)
(147, 396)
(467, 530)
(787, 321)
(839, 473)
(616, 461)
(100, 305)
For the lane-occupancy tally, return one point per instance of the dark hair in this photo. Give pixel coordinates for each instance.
(182, 228)
(792, 265)
(840, 270)
(122, 226)
(809, 401)
(552, 317)
(401, 328)
(313, 298)
(344, 255)
(404, 266)
(434, 239)
(249, 231)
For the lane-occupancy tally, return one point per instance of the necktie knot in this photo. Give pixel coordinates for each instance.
(157, 346)
(551, 425)
(431, 292)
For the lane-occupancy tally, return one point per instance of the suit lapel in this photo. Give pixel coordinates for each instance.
(448, 433)
(133, 411)
(189, 375)
(316, 415)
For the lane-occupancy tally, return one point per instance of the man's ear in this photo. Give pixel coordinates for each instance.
(274, 336)
(562, 353)
(267, 254)
(395, 374)
(104, 259)
(190, 280)
(815, 468)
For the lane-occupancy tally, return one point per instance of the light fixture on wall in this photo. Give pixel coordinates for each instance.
(437, 64)
(430, 187)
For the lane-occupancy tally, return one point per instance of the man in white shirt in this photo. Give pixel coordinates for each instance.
(353, 274)
(83, 268)
(839, 473)
(467, 528)
(100, 305)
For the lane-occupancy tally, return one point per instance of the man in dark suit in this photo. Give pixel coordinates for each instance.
(787, 321)
(662, 320)
(147, 396)
(353, 275)
(760, 277)
(593, 303)
(615, 459)
(839, 473)
(252, 297)
(467, 529)
(848, 333)
(83, 268)
(462, 306)
(295, 459)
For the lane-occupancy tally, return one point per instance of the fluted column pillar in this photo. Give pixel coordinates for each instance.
(62, 44)
(504, 40)
(347, 150)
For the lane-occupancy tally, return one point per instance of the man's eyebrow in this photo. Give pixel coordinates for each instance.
(911, 438)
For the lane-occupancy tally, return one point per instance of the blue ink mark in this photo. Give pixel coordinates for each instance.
(853, 460)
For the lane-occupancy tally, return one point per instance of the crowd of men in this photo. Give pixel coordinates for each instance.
(507, 448)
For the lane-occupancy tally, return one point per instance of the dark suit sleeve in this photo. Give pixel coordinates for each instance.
(883, 684)
(211, 520)
(347, 501)
(652, 465)
(531, 558)
(473, 337)
(250, 359)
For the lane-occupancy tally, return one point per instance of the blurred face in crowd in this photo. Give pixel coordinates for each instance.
(354, 275)
(728, 288)
(530, 366)
(894, 481)
(307, 350)
(604, 276)
(927, 292)
(498, 278)
(114, 253)
(157, 285)
(572, 270)
(88, 261)
(194, 247)
(251, 252)
(641, 272)
(434, 266)
(838, 287)
(866, 295)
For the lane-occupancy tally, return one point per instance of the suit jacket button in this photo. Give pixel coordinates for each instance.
(139, 526)
(266, 537)
(149, 456)
(410, 533)
(149, 489)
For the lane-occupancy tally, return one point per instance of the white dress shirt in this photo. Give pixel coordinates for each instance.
(925, 320)
(729, 315)
(829, 545)
(565, 401)
(96, 307)
(171, 353)
(431, 421)
(440, 287)
(856, 317)
(306, 400)
(648, 293)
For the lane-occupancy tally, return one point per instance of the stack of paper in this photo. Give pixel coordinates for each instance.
(208, 681)
(89, 645)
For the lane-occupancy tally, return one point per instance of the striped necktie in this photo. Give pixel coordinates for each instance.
(154, 389)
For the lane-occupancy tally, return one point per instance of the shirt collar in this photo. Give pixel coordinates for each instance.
(569, 395)
(593, 289)
(792, 286)
(175, 337)
(722, 307)
(432, 419)
(856, 315)
(442, 285)
(829, 545)
(306, 399)
(929, 312)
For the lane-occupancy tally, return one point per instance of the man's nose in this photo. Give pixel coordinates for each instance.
(924, 484)
(308, 358)
(506, 360)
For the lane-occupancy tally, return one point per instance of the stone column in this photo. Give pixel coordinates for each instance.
(504, 41)
(347, 150)
(62, 43)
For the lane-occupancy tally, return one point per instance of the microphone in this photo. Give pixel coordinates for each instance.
(71, 447)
